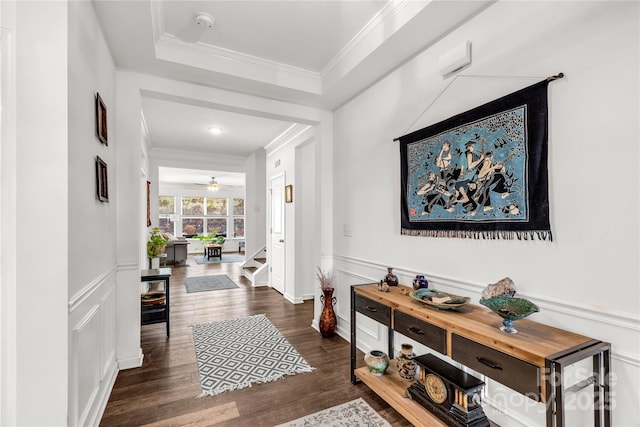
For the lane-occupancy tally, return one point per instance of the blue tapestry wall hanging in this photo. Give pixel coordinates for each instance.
(481, 173)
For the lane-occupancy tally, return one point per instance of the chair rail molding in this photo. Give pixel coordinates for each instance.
(602, 317)
(88, 290)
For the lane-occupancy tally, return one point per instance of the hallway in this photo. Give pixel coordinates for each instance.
(163, 391)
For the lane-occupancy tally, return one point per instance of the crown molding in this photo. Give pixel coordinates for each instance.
(226, 61)
(384, 24)
(290, 135)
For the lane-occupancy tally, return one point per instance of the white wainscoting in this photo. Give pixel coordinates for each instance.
(92, 350)
(503, 405)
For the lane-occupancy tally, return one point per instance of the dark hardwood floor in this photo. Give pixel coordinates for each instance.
(163, 391)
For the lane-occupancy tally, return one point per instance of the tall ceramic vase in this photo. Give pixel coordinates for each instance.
(328, 321)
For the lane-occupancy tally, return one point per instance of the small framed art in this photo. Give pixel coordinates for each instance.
(101, 120)
(102, 183)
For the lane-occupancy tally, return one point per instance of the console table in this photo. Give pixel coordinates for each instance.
(156, 313)
(530, 362)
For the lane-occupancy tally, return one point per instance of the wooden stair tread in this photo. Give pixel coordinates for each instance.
(251, 269)
(260, 260)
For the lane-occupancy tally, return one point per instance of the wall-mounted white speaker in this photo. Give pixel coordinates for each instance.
(455, 59)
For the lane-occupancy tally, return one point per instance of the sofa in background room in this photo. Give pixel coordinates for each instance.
(176, 249)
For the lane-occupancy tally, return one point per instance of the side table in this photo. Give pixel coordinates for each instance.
(213, 251)
(156, 313)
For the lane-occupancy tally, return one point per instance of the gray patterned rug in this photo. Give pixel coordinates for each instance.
(208, 283)
(237, 353)
(356, 413)
(215, 260)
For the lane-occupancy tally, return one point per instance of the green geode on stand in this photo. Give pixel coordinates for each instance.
(510, 309)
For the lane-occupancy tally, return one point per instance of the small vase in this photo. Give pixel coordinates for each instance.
(405, 363)
(328, 321)
(390, 278)
(377, 362)
(420, 282)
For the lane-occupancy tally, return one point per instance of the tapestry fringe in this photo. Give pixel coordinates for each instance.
(487, 235)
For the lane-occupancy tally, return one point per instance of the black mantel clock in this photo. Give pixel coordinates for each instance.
(449, 393)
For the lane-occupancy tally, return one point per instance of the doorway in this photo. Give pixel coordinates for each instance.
(277, 246)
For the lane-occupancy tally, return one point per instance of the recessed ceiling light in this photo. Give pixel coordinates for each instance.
(215, 130)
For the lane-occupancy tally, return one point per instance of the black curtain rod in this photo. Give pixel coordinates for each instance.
(549, 79)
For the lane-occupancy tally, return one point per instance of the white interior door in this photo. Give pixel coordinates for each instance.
(277, 233)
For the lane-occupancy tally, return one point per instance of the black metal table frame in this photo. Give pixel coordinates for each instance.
(159, 275)
(598, 350)
(213, 251)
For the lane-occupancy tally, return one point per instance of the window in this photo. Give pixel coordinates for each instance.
(217, 214)
(166, 209)
(202, 215)
(192, 215)
(238, 217)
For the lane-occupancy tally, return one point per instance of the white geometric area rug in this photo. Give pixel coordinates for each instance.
(356, 413)
(236, 353)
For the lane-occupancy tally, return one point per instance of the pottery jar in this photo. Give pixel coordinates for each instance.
(405, 363)
(377, 362)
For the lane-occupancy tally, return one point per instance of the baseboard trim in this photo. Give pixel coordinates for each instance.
(134, 362)
(103, 396)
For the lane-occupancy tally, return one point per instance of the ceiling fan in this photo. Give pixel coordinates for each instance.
(213, 185)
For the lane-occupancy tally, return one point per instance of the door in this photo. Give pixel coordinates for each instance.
(277, 233)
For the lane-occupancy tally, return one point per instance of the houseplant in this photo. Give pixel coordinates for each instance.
(213, 238)
(328, 321)
(156, 243)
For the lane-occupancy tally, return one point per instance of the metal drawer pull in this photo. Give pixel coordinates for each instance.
(415, 330)
(373, 309)
(489, 363)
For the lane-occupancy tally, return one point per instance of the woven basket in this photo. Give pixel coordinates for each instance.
(152, 298)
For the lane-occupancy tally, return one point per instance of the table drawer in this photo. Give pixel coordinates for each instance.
(425, 333)
(373, 309)
(514, 373)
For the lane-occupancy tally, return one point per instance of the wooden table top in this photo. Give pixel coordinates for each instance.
(534, 342)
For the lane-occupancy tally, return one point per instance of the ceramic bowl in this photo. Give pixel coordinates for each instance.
(430, 297)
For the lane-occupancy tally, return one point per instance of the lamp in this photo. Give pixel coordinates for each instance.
(213, 185)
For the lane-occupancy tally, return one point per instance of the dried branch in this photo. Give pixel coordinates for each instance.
(325, 279)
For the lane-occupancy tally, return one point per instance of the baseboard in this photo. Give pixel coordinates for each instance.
(102, 398)
(134, 362)
(297, 300)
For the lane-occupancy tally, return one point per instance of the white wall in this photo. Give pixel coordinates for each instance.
(305, 203)
(256, 203)
(34, 180)
(92, 247)
(289, 158)
(586, 280)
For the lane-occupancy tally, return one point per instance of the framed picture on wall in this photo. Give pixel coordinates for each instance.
(101, 120)
(148, 203)
(102, 183)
